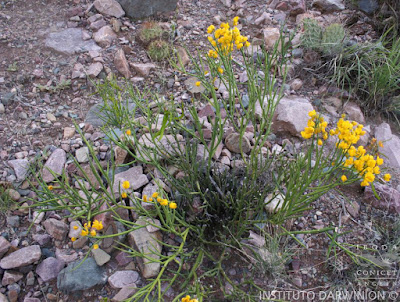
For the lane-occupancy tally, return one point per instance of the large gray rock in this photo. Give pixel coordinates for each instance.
(70, 41)
(109, 7)
(138, 9)
(22, 257)
(81, 276)
(97, 114)
(368, 6)
(391, 145)
(291, 115)
(329, 6)
(55, 163)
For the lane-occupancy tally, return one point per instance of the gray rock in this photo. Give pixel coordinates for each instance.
(105, 36)
(122, 279)
(82, 154)
(100, 256)
(70, 41)
(291, 115)
(391, 145)
(135, 177)
(2, 109)
(109, 7)
(49, 268)
(145, 242)
(368, 6)
(56, 228)
(168, 144)
(7, 98)
(55, 163)
(138, 9)
(21, 168)
(329, 6)
(22, 257)
(274, 203)
(79, 276)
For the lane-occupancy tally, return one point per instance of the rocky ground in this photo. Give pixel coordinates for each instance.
(51, 53)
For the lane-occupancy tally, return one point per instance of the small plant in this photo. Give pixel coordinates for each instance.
(311, 38)
(149, 32)
(159, 50)
(328, 41)
(5, 200)
(333, 39)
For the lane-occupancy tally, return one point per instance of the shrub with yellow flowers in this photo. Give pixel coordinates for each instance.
(350, 158)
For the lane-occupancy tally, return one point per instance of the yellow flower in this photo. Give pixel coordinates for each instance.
(124, 195)
(235, 21)
(220, 70)
(247, 44)
(164, 202)
(95, 246)
(369, 177)
(155, 195)
(343, 178)
(145, 198)
(98, 225)
(379, 161)
(50, 188)
(387, 177)
(75, 227)
(320, 142)
(186, 299)
(84, 232)
(93, 233)
(128, 132)
(380, 144)
(210, 29)
(198, 83)
(312, 113)
(173, 205)
(150, 199)
(126, 185)
(73, 239)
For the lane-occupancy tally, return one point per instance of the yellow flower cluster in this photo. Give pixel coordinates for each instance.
(348, 133)
(315, 125)
(125, 185)
(187, 299)
(161, 201)
(89, 228)
(224, 38)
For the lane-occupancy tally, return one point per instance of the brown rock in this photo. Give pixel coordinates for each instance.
(105, 36)
(143, 69)
(232, 142)
(122, 64)
(56, 228)
(109, 7)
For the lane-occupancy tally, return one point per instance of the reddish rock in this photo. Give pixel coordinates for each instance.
(389, 198)
(22, 257)
(11, 277)
(105, 36)
(4, 246)
(55, 163)
(56, 228)
(122, 279)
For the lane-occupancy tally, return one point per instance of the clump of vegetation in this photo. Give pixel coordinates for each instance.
(370, 70)
(149, 32)
(159, 50)
(5, 200)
